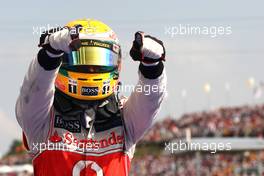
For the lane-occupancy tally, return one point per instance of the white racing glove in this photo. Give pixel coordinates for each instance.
(58, 41)
(147, 49)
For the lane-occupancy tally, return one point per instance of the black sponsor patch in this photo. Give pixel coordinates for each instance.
(89, 91)
(73, 126)
(106, 87)
(72, 88)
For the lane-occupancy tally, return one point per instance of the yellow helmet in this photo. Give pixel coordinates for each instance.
(92, 72)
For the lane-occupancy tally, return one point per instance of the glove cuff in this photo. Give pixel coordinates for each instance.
(151, 72)
(47, 62)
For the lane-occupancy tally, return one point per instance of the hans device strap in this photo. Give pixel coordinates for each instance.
(107, 111)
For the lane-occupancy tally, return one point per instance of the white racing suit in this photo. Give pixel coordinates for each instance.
(60, 145)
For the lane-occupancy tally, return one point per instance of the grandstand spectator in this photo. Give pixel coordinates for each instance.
(224, 122)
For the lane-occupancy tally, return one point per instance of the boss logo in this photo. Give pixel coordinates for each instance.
(89, 91)
(73, 126)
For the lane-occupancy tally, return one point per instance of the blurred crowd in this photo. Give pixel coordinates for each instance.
(16, 159)
(205, 164)
(153, 165)
(16, 165)
(224, 122)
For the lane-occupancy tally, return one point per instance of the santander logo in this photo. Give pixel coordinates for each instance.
(112, 139)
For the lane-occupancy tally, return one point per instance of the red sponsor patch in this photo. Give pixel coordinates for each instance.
(60, 85)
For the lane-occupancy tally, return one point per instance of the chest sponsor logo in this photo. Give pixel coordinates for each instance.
(73, 126)
(109, 140)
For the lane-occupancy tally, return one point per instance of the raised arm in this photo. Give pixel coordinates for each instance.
(142, 106)
(37, 92)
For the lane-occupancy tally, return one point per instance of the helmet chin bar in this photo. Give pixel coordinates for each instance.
(60, 96)
(87, 86)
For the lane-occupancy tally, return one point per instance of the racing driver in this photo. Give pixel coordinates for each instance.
(74, 123)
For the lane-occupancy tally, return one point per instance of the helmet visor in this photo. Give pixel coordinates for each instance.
(94, 53)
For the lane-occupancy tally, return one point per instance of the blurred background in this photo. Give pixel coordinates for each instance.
(215, 82)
